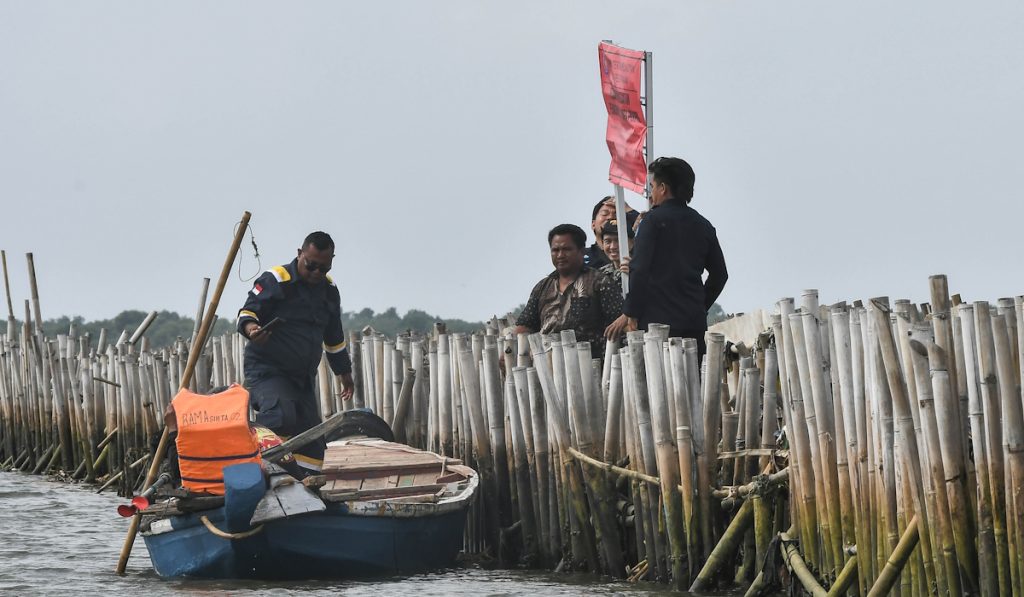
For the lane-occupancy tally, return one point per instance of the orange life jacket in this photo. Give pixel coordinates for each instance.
(213, 432)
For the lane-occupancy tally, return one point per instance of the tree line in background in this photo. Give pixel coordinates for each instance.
(170, 326)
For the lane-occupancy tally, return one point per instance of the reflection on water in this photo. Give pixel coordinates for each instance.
(57, 538)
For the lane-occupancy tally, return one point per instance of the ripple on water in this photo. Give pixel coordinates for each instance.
(67, 538)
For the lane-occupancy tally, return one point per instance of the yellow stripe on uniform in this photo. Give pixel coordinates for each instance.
(330, 280)
(247, 314)
(314, 464)
(280, 273)
(336, 347)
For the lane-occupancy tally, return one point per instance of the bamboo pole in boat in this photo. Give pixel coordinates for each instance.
(189, 370)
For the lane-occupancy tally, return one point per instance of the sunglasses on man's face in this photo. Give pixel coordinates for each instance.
(314, 266)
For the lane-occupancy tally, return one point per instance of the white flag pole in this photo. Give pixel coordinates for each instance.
(649, 104)
(620, 200)
(620, 215)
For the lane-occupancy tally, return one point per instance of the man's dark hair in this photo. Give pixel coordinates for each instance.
(578, 236)
(597, 208)
(677, 175)
(321, 240)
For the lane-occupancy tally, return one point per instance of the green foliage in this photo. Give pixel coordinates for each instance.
(168, 326)
(391, 324)
(165, 329)
(716, 314)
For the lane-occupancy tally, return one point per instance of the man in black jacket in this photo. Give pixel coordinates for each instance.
(281, 365)
(674, 246)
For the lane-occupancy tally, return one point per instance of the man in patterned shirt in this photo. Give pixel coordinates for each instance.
(573, 296)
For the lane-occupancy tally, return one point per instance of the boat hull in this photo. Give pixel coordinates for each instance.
(329, 544)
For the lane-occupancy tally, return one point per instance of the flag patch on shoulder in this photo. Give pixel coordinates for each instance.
(257, 289)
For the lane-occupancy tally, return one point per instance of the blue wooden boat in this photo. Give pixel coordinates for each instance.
(382, 509)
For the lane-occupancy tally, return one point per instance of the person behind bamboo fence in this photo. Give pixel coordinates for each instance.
(675, 245)
(574, 296)
(610, 244)
(604, 211)
(281, 365)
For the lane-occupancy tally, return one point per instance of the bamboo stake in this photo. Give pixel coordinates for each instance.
(712, 416)
(796, 563)
(887, 578)
(994, 440)
(799, 436)
(1012, 416)
(523, 459)
(667, 455)
(723, 551)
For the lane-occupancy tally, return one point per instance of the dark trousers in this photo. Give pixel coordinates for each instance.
(288, 407)
(702, 347)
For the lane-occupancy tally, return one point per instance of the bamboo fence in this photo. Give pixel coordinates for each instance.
(855, 449)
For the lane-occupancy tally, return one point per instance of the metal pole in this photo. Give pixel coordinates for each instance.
(649, 103)
(620, 215)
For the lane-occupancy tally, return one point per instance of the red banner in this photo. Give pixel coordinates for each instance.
(627, 124)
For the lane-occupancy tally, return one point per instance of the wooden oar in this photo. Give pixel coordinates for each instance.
(313, 433)
(186, 379)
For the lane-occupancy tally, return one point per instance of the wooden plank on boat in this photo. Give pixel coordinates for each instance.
(379, 493)
(359, 471)
(452, 478)
(286, 500)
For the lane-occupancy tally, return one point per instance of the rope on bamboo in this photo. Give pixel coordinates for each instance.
(761, 482)
(225, 535)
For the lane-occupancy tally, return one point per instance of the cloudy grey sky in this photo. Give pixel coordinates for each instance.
(854, 147)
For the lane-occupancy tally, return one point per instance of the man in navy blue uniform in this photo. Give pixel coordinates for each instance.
(675, 245)
(281, 364)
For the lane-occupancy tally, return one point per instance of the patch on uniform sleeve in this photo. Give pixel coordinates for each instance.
(257, 289)
(280, 273)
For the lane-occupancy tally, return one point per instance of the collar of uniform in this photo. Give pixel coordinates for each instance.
(671, 201)
(293, 269)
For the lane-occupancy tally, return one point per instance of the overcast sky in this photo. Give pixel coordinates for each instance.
(851, 147)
